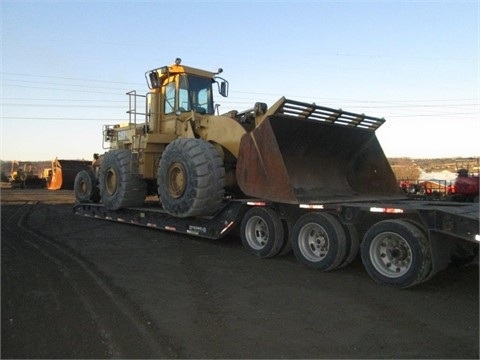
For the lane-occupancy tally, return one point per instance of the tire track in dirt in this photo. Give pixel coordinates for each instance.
(68, 291)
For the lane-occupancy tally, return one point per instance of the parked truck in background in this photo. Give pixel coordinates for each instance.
(290, 176)
(466, 184)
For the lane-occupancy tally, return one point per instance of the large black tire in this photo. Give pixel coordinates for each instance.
(319, 241)
(119, 181)
(191, 178)
(262, 232)
(353, 245)
(396, 253)
(85, 187)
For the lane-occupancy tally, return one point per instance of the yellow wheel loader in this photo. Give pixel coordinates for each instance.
(176, 145)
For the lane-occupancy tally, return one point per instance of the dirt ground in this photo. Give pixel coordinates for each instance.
(75, 287)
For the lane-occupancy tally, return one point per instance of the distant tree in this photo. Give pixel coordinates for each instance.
(405, 169)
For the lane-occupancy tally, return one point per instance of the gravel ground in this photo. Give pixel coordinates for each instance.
(75, 287)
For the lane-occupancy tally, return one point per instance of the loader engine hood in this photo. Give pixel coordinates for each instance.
(306, 154)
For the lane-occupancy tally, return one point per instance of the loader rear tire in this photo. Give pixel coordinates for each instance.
(191, 178)
(319, 241)
(262, 232)
(396, 253)
(120, 183)
(85, 187)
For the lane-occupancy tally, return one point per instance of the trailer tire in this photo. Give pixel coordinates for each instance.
(353, 245)
(191, 178)
(287, 246)
(319, 241)
(85, 187)
(396, 253)
(262, 232)
(119, 181)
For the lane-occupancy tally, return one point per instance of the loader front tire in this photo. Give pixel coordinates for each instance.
(119, 181)
(191, 178)
(85, 187)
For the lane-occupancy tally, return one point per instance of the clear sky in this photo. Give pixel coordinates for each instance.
(66, 66)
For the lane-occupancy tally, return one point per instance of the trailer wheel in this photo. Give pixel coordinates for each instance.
(396, 253)
(262, 232)
(85, 187)
(319, 241)
(353, 245)
(287, 246)
(119, 182)
(191, 178)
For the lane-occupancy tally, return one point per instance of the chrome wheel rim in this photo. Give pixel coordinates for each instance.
(256, 233)
(391, 255)
(313, 242)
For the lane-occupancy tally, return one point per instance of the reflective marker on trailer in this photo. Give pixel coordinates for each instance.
(477, 237)
(311, 206)
(171, 228)
(256, 203)
(226, 227)
(386, 210)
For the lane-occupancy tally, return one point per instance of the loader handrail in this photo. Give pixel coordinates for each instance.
(334, 116)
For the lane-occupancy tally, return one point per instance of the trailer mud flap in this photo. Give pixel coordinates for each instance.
(295, 160)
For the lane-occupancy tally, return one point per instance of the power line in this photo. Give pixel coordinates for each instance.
(63, 90)
(435, 114)
(65, 106)
(65, 78)
(55, 119)
(57, 99)
(50, 83)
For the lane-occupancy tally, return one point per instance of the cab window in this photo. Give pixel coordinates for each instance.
(169, 104)
(195, 93)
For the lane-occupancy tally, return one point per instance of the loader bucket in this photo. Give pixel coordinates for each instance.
(64, 173)
(302, 160)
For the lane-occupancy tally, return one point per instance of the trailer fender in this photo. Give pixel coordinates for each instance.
(442, 249)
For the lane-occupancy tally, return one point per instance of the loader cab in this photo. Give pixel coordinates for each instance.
(185, 89)
(194, 93)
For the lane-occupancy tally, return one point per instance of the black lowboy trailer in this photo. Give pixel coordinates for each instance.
(328, 191)
(402, 242)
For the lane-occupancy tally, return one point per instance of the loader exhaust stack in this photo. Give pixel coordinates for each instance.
(307, 153)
